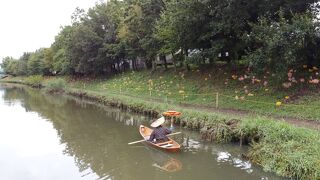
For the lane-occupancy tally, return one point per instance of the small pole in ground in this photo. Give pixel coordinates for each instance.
(171, 126)
(217, 100)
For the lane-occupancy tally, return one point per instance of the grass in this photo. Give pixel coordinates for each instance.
(197, 88)
(283, 148)
(56, 85)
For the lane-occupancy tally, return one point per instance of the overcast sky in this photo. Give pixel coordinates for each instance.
(27, 25)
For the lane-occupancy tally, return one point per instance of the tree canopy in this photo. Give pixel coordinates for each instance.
(114, 36)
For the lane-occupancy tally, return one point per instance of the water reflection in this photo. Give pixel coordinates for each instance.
(163, 161)
(96, 138)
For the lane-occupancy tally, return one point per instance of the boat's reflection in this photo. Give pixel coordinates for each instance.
(164, 161)
(172, 165)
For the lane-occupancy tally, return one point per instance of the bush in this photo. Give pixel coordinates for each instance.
(284, 149)
(56, 85)
(34, 81)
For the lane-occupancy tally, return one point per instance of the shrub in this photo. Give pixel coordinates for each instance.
(34, 81)
(56, 85)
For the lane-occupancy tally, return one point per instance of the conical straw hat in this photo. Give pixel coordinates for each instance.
(158, 122)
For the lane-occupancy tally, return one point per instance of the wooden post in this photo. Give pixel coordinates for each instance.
(241, 138)
(171, 126)
(217, 100)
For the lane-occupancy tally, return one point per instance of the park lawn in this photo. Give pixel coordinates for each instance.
(203, 89)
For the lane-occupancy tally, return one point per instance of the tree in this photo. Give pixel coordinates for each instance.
(36, 62)
(9, 65)
(284, 44)
(105, 20)
(61, 64)
(82, 51)
(138, 27)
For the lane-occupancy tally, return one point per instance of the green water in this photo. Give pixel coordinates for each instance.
(58, 137)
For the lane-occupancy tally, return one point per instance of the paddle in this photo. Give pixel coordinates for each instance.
(134, 142)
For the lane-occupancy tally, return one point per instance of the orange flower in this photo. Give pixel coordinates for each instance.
(241, 78)
(265, 83)
(314, 81)
(234, 77)
(286, 84)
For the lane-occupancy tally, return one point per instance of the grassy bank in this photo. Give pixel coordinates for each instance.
(276, 146)
(222, 90)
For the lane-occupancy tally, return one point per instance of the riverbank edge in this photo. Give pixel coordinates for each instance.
(220, 128)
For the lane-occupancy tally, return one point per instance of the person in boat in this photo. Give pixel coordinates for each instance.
(159, 134)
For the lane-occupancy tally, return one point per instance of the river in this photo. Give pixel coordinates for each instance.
(52, 137)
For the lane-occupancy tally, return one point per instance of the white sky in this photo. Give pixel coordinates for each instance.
(27, 25)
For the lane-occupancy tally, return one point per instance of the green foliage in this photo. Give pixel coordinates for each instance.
(110, 36)
(284, 44)
(284, 149)
(9, 65)
(34, 80)
(40, 62)
(82, 51)
(58, 84)
(61, 63)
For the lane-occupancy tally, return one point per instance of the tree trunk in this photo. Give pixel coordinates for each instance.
(154, 65)
(118, 66)
(164, 60)
(181, 58)
(185, 59)
(133, 63)
(174, 62)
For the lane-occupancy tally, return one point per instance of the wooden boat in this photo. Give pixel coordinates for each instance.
(171, 145)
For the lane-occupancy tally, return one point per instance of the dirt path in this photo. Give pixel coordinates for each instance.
(308, 123)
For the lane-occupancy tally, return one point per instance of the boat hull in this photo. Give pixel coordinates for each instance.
(170, 146)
